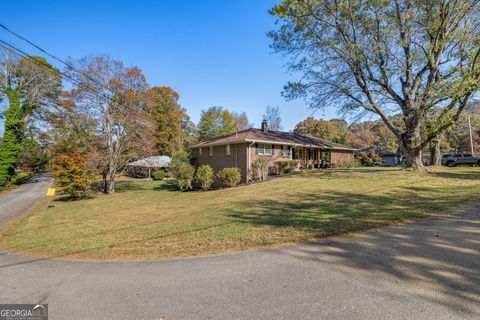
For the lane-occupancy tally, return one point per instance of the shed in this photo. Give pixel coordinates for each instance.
(151, 163)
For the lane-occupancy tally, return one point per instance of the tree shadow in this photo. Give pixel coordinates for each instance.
(439, 254)
(126, 186)
(473, 174)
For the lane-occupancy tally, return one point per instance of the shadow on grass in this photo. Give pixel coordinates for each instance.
(443, 253)
(471, 174)
(126, 186)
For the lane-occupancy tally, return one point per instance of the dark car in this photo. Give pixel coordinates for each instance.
(453, 159)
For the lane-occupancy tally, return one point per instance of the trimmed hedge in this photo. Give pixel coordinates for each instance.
(204, 176)
(158, 175)
(230, 177)
(182, 171)
(286, 166)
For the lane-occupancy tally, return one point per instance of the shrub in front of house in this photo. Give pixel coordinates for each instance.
(158, 175)
(369, 159)
(229, 177)
(286, 166)
(325, 164)
(347, 164)
(204, 176)
(181, 170)
(260, 169)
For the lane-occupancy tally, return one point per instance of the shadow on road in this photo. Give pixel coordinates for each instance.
(440, 255)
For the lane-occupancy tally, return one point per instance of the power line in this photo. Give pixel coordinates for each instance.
(66, 77)
(22, 54)
(56, 58)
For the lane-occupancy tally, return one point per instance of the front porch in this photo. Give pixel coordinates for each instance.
(312, 157)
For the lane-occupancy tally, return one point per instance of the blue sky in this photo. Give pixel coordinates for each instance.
(212, 52)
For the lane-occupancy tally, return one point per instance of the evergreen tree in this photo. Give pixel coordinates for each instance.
(12, 137)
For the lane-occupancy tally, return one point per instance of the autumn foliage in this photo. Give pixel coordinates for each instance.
(73, 174)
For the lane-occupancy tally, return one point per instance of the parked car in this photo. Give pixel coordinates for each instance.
(453, 159)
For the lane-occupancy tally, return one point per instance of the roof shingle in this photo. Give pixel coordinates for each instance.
(278, 137)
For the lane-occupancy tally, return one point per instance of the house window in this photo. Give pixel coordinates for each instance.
(297, 154)
(285, 151)
(210, 151)
(264, 149)
(199, 151)
(227, 150)
(311, 154)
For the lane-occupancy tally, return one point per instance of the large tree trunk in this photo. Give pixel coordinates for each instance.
(435, 154)
(413, 156)
(409, 144)
(111, 178)
(111, 185)
(105, 183)
(414, 160)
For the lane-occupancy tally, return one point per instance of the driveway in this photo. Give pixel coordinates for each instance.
(429, 269)
(16, 202)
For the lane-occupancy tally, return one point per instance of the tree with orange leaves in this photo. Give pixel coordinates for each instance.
(172, 124)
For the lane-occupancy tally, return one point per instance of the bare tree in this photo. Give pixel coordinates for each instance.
(273, 117)
(113, 95)
(419, 59)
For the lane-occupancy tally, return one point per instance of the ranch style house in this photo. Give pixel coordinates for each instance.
(242, 148)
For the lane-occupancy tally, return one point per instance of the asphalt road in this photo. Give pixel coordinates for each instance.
(18, 201)
(428, 269)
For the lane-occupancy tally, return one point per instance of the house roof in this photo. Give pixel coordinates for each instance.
(378, 151)
(152, 162)
(274, 137)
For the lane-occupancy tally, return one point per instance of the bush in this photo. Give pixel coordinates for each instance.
(204, 176)
(369, 159)
(229, 177)
(73, 174)
(158, 175)
(347, 164)
(182, 171)
(286, 166)
(260, 169)
(325, 164)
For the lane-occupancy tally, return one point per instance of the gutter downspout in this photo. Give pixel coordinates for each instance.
(248, 159)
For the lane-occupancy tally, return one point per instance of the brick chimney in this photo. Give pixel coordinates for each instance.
(264, 125)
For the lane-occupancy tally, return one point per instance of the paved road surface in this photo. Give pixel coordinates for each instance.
(18, 201)
(424, 270)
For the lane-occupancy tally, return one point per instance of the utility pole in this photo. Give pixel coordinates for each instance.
(471, 137)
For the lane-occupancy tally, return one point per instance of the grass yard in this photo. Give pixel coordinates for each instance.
(147, 219)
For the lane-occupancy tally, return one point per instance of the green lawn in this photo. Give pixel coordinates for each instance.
(149, 220)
